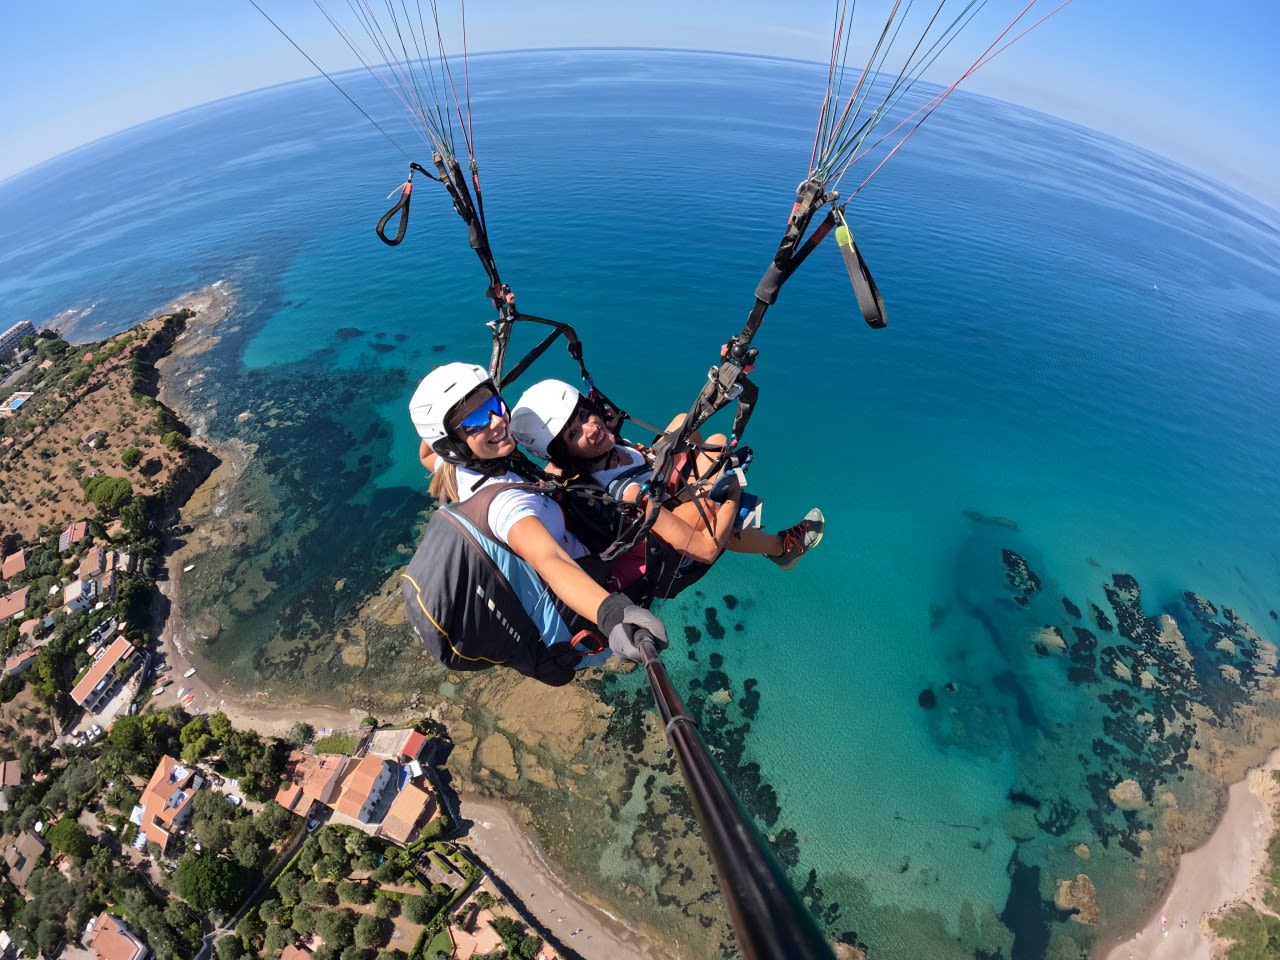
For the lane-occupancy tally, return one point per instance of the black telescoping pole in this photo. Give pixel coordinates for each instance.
(767, 915)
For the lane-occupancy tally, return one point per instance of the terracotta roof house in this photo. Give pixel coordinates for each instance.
(112, 940)
(310, 779)
(363, 788)
(107, 586)
(13, 604)
(166, 803)
(14, 564)
(401, 744)
(295, 952)
(21, 855)
(411, 805)
(10, 773)
(20, 661)
(94, 563)
(74, 533)
(471, 934)
(97, 686)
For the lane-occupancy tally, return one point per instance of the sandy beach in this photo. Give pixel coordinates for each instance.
(573, 922)
(1227, 870)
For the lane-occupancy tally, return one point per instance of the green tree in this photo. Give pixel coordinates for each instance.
(131, 457)
(208, 882)
(275, 940)
(337, 927)
(229, 947)
(67, 836)
(370, 931)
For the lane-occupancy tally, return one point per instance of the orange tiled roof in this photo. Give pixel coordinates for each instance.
(407, 809)
(119, 649)
(13, 603)
(166, 800)
(359, 785)
(14, 564)
(310, 778)
(112, 940)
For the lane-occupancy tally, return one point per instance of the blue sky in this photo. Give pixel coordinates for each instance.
(1194, 80)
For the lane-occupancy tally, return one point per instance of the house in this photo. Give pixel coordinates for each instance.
(411, 806)
(166, 802)
(71, 536)
(22, 855)
(19, 662)
(10, 773)
(93, 564)
(106, 586)
(402, 745)
(14, 564)
(471, 932)
(97, 686)
(94, 439)
(310, 779)
(363, 788)
(13, 604)
(112, 940)
(79, 595)
(295, 952)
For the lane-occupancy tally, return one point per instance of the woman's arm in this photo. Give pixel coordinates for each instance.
(532, 543)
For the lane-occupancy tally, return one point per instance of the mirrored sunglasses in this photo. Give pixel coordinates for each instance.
(478, 419)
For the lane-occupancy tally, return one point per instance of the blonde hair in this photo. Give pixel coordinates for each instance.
(444, 482)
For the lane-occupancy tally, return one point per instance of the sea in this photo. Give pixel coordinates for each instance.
(1068, 432)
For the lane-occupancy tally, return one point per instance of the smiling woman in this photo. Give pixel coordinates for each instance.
(473, 614)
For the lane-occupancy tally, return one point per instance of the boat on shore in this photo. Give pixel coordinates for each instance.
(191, 672)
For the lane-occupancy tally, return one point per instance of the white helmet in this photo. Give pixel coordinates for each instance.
(437, 394)
(541, 413)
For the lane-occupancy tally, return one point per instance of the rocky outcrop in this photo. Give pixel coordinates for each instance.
(1078, 896)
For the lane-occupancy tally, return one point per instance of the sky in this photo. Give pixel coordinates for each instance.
(1193, 80)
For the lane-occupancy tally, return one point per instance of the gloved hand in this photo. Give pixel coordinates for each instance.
(619, 619)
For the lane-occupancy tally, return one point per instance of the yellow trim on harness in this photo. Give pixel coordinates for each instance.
(417, 590)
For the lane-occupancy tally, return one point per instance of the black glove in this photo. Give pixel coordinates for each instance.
(619, 619)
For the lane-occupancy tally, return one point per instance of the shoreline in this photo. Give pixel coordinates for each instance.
(1223, 872)
(1227, 870)
(496, 834)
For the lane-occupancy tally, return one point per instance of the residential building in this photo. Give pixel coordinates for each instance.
(12, 338)
(411, 806)
(363, 788)
(310, 779)
(14, 564)
(79, 595)
(100, 683)
(471, 932)
(401, 744)
(72, 535)
(22, 855)
(166, 802)
(93, 564)
(295, 952)
(112, 940)
(10, 773)
(13, 604)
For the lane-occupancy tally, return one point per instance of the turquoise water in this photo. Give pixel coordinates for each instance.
(1080, 368)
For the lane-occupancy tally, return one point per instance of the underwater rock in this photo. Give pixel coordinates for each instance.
(439, 347)
(1022, 579)
(496, 754)
(1100, 618)
(730, 601)
(927, 699)
(1127, 795)
(714, 627)
(1071, 608)
(348, 333)
(692, 634)
(1080, 897)
(936, 615)
(1082, 851)
(382, 347)
(1002, 522)
(1050, 639)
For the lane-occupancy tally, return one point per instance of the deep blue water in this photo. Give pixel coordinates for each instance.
(1080, 368)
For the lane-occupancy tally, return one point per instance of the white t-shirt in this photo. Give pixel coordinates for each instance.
(633, 458)
(511, 506)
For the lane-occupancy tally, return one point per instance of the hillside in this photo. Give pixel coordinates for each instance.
(93, 413)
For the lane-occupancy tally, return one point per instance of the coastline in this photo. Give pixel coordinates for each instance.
(497, 833)
(1223, 872)
(1226, 871)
